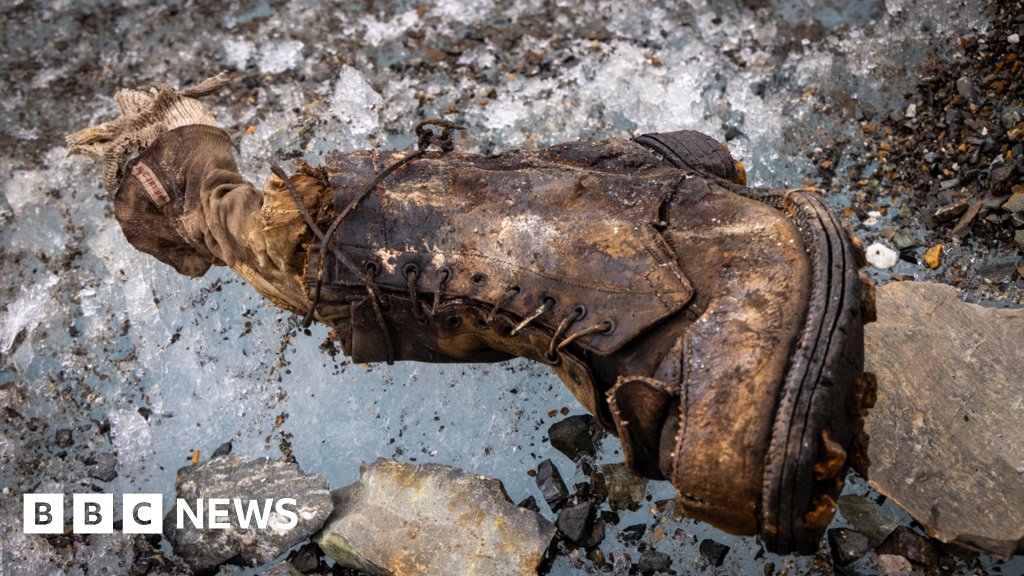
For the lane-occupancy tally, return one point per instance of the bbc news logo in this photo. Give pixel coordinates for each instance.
(143, 513)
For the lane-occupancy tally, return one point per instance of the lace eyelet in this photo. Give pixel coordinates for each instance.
(611, 327)
(479, 278)
(482, 323)
(371, 265)
(552, 361)
(446, 273)
(411, 269)
(454, 322)
(581, 312)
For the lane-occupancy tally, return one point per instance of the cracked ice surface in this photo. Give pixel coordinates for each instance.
(92, 331)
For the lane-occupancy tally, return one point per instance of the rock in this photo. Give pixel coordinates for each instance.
(881, 256)
(652, 561)
(105, 469)
(222, 450)
(867, 109)
(950, 212)
(575, 523)
(1018, 239)
(933, 157)
(894, 565)
(307, 558)
(1001, 179)
(963, 227)
(552, 488)
(431, 519)
(905, 238)
(530, 503)
(847, 545)
(283, 569)
(865, 517)
(597, 533)
(575, 436)
(252, 482)
(632, 534)
(625, 491)
(598, 485)
(1015, 203)
(911, 545)
(933, 256)
(966, 88)
(64, 438)
(949, 377)
(998, 271)
(713, 552)
(1013, 38)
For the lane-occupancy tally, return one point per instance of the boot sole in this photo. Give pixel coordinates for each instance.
(817, 415)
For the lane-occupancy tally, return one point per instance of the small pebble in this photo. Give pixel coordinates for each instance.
(1014, 38)
(881, 256)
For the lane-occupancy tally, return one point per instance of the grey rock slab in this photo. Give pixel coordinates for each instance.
(866, 518)
(945, 433)
(248, 480)
(847, 545)
(652, 561)
(575, 523)
(403, 519)
(713, 552)
(549, 480)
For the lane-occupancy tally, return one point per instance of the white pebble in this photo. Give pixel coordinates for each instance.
(911, 110)
(893, 565)
(1014, 38)
(880, 256)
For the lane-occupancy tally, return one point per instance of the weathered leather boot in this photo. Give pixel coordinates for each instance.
(716, 329)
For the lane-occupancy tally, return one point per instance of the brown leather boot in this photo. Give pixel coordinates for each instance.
(716, 329)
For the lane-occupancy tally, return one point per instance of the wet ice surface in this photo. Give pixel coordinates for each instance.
(92, 330)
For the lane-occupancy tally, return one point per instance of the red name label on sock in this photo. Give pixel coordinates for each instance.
(150, 183)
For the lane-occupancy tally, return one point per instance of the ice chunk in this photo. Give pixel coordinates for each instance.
(24, 188)
(277, 57)
(237, 52)
(355, 101)
(26, 312)
(378, 32)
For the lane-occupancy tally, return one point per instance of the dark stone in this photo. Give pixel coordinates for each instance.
(576, 523)
(530, 503)
(610, 517)
(597, 533)
(145, 412)
(952, 115)
(306, 558)
(551, 485)
(867, 109)
(625, 491)
(222, 450)
(105, 468)
(769, 569)
(732, 132)
(653, 561)
(906, 542)
(966, 88)
(630, 535)
(64, 438)
(998, 271)
(713, 552)
(1002, 180)
(847, 545)
(256, 480)
(932, 157)
(575, 436)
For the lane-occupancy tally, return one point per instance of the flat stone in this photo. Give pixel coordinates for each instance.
(222, 450)
(950, 212)
(713, 552)
(597, 533)
(998, 271)
(905, 542)
(575, 436)
(942, 440)
(530, 503)
(866, 518)
(575, 523)
(894, 565)
(105, 469)
(847, 545)
(1018, 239)
(307, 558)
(625, 491)
(905, 238)
(652, 561)
(966, 88)
(632, 534)
(549, 480)
(231, 477)
(1015, 203)
(431, 519)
